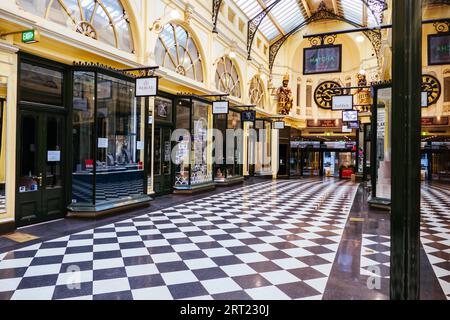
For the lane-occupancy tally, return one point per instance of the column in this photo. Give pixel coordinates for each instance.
(405, 215)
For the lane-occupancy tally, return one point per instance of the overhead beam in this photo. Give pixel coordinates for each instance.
(335, 6)
(306, 7)
(271, 17)
(253, 25)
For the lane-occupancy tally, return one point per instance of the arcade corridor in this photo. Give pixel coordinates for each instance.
(298, 239)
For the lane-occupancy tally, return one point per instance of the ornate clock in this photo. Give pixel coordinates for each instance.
(432, 86)
(324, 93)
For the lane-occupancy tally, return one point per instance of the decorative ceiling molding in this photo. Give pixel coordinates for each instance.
(377, 7)
(323, 13)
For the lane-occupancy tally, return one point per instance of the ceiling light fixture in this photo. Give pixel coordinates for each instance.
(360, 38)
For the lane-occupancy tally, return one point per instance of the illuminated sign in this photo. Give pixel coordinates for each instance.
(30, 36)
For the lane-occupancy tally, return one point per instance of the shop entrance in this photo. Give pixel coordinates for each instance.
(311, 163)
(40, 172)
(163, 178)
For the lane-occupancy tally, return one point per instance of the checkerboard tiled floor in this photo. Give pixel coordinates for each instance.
(272, 240)
(434, 234)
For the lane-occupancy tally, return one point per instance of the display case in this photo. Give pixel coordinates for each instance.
(263, 165)
(108, 141)
(381, 147)
(192, 153)
(228, 166)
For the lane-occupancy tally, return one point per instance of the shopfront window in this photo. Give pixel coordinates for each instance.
(263, 147)
(383, 147)
(83, 133)
(234, 156)
(229, 161)
(183, 143)
(40, 85)
(200, 172)
(108, 140)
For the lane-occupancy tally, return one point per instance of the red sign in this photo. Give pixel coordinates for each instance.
(441, 121)
(336, 123)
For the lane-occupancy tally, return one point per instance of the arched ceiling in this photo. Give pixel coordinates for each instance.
(285, 15)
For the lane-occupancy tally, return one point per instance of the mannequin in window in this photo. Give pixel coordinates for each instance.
(125, 153)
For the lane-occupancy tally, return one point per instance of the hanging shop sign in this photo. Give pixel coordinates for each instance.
(248, 116)
(322, 59)
(350, 116)
(439, 49)
(346, 129)
(220, 107)
(323, 95)
(328, 123)
(147, 87)
(432, 86)
(53, 155)
(434, 121)
(424, 99)
(353, 125)
(278, 125)
(342, 102)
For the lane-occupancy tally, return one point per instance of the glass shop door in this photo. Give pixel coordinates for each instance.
(40, 167)
(162, 174)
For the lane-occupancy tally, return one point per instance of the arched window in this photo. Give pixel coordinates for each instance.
(227, 78)
(176, 50)
(256, 92)
(103, 20)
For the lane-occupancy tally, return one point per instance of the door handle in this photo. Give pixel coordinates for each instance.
(39, 178)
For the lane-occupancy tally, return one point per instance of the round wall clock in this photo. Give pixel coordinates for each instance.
(432, 86)
(324, 93)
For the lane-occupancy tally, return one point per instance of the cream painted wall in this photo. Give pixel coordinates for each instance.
(8, 69)
(355, 56)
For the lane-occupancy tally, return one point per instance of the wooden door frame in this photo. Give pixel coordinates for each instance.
(63, 110)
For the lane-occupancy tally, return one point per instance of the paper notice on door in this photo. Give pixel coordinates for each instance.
(53, 155)
(102, 143)
(140, 145)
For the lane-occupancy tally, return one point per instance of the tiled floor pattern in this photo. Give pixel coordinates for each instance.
(434, 233)
(272, 240)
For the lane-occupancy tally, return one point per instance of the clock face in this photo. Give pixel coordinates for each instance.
(432, 87)
(324, 93)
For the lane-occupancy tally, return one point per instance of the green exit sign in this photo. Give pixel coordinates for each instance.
(30, 36)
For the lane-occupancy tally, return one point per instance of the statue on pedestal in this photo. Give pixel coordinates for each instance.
(285, 99)
(363, 99)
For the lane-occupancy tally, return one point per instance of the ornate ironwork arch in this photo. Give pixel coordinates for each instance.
(254, 24)
(323, 13)
(215, 13)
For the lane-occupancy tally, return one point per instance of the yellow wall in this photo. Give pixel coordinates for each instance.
(8, 69)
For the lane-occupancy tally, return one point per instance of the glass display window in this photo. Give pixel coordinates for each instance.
(381, 140)
(192, 150)
(108, 139)
(263, 164)
(229, 162)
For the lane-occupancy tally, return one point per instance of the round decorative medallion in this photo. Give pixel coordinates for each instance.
(323, 95)
(85, 28)
(432, 86)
